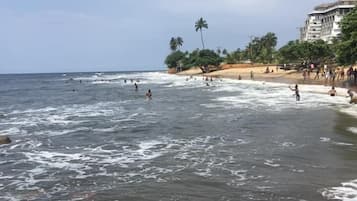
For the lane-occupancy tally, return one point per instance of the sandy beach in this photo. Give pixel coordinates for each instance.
(275, 75)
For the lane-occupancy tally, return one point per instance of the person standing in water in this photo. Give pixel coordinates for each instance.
(332, 91)
(352, 96)
(149, 94)
(136, 86)
(297, 93)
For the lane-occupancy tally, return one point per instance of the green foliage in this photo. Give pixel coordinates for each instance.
(176, 43)
(200, 24)
(207, 57)
(173, 44)
(262, 49)
(346, 49)
(306, 52)
(195, 58)
(179, 42)
(190, 59)
(236, 57)
(173, 60)
(289, 53)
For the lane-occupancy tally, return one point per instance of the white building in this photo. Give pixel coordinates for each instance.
(324, 22)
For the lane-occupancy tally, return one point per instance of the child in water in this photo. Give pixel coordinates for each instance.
(297, 94)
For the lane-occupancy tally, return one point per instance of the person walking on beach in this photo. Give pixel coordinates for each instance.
(304, 74)
(349, 73)
(149, 95)
(251, 75)
(297, 93)
(317, 76)
(342, 74)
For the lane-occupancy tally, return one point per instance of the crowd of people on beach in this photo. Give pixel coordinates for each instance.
(330, 75)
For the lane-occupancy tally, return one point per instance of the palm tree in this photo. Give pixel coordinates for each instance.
(199, 25)
(225, 52)
(173, 44)
(269, 42)
(179, 42)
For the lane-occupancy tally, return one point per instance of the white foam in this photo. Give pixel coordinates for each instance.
(203, 172)
(66, 115)
(288, 144)
(57, 160)
(62, 132)
(325, 139)
(352, 130)
(351, 110)
(346, 192)
(274, 96)
(271, 163)
(343, 144)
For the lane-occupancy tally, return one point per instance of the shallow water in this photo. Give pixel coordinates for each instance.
(232, 140)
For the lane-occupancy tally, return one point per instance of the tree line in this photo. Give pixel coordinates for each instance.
(342, 51)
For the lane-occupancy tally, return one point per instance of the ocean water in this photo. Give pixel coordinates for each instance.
(89, 136)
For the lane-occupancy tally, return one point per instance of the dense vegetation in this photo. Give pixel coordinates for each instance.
(342, 51)
(346, 49)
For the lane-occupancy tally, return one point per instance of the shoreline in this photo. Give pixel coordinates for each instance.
(277, 76)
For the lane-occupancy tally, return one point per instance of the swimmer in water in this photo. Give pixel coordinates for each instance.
(332, 91)
(149, 94)
(297, 94)
(136, 86)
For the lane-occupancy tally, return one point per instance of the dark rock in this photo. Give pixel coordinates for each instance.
(5, 140)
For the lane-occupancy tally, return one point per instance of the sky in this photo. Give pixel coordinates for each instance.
(41, 36)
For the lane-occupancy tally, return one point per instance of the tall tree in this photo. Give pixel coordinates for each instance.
(173, 44)
(269, 42)
(179, 42)
(347, 48)
(199, 25)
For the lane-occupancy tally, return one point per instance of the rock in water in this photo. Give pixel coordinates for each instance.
(5, 140)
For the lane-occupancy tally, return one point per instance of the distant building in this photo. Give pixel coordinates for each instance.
(324, 22)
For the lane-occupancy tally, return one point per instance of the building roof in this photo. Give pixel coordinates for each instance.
(326, 6)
